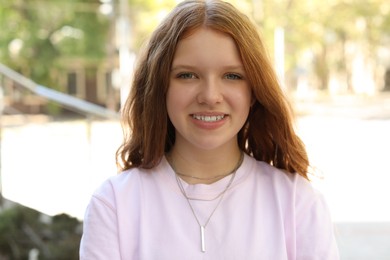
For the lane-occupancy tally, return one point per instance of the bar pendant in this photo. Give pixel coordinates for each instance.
(202, 239)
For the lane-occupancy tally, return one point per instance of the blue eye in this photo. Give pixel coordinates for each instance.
(186, 75)
(233, 76)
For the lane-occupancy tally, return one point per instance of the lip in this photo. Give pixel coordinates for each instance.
(218, 119)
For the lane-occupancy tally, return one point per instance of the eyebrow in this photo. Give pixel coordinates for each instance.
(190, 67)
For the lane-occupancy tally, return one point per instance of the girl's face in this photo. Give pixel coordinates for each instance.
(209, 97)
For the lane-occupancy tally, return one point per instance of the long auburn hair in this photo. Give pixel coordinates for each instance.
(268, 134)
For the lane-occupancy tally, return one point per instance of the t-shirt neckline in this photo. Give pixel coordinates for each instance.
(204, 191)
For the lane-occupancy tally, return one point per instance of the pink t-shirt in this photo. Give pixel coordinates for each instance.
(265, 214)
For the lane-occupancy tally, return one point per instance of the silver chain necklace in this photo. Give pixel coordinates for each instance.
(202, 178)
(221, 195)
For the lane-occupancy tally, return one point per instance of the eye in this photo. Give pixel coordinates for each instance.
(186, 75)
(233, 76)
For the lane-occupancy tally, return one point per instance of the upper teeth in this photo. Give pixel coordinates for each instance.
(208, 118)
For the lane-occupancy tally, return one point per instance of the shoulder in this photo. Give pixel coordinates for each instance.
(125, 184)
(285, 184)
(293, 190)
(307, 209)
(120, 180)
(281, 177)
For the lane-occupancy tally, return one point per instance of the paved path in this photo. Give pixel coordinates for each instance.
(364, 241)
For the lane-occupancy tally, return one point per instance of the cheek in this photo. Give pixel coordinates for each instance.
(244, 104)
(243, 99)
(175, 101)
(178, 95)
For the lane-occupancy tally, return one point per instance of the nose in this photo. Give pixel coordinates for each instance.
(210, 92)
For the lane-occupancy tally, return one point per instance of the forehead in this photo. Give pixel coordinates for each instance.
(207, 45)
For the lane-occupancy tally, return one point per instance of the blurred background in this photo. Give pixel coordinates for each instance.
(65, 68)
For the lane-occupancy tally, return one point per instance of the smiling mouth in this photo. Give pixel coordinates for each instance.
(208, 118)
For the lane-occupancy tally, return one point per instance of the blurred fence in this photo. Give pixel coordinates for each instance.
(49, 163)
(70, 102)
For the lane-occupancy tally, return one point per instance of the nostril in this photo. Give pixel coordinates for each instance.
(210, 95)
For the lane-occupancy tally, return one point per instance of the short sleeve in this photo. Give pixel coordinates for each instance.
(100, 228)
(315, 238)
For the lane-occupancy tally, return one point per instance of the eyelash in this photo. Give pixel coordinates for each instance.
(186, 75)
(234, 75)
(189, 75)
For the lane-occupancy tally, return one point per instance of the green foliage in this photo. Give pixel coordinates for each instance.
(38, 37)
(23, 229)
(322, 29)
(145, 16)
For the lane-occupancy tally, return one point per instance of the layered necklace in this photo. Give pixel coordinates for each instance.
(220, 196)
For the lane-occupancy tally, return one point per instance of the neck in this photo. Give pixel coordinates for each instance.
(205, 167)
